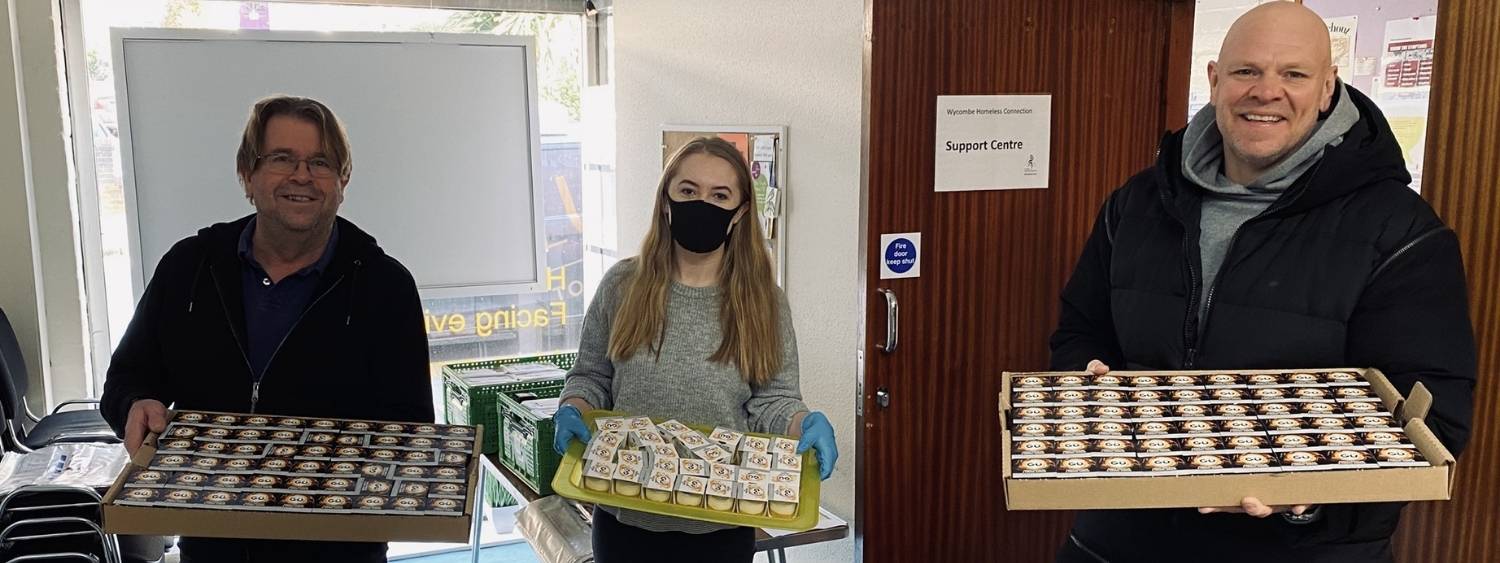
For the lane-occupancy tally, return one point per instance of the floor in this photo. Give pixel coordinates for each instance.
(509, 553)
(518, 551)
(832, 552)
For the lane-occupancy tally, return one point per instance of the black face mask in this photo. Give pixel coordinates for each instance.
(700, 226)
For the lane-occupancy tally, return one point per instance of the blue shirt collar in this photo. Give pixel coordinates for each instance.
(247, 253)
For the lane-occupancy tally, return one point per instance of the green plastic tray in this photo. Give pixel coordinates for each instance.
(466, 404)
(527, 439)
(568, 482)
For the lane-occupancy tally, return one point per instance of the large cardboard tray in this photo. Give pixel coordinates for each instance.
(1385, 484)
(568, 482)
(251, 524)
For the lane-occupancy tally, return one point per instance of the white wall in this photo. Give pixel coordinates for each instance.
(40, 271)
(17, 271)
(763, 63)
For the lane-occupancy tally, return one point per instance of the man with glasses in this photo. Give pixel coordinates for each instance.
(291, 310)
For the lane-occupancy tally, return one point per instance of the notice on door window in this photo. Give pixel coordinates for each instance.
(992, 142)
(1341, 33)
(1405, 84)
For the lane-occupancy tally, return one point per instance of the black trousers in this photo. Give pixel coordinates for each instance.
(621, 543)
(215, 550)
(1074, 551)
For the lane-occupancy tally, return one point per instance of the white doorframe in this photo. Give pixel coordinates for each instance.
(95, 294)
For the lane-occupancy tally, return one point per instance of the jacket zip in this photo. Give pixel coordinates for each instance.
(1190, 318)
(1397, 254)
(1190, 325)
(255, 385)
(1208, 299)
(238, 342)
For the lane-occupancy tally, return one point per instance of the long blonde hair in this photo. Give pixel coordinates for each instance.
(749, 309)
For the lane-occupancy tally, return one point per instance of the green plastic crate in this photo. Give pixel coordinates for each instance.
(527, 451)
(466, 404)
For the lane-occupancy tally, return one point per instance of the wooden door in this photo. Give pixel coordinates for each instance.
(994, 262)
(1461, 178)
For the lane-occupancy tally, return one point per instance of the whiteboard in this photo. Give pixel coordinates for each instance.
(443, 130)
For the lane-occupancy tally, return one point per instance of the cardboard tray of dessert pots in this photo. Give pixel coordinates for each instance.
(1434, 482)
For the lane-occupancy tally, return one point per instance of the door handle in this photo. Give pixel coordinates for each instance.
(892, 322)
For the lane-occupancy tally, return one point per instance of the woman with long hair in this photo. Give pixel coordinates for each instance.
(693, 329)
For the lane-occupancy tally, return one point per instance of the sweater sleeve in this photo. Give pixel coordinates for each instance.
(593, 374)
(772, 406)
(1085, 329)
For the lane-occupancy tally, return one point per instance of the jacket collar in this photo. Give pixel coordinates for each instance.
(221, 252)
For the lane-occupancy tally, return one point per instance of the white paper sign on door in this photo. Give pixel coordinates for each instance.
(992, 142)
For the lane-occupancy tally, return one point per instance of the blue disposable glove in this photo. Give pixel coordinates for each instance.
(817, 434)
(567, 424)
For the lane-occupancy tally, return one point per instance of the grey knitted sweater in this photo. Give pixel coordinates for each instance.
(681, 382)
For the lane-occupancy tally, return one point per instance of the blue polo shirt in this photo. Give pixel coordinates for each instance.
(271, 309)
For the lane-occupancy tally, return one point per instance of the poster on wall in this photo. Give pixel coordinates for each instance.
(1341, 33)
(760, 181)
(1211, 21)
(740, 141)
(1404, 85)
(1000, 142)
(1408, 55)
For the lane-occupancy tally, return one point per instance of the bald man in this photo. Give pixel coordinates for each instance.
(1277, 231)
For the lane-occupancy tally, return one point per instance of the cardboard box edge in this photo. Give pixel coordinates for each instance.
(1186, 491)
(1418, 404)
(288, 526)
(1433, 449)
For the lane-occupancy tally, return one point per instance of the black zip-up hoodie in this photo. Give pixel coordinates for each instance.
(358, 351)
(1349, 268)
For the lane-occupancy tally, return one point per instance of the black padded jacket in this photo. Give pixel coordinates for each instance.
(1348, 268)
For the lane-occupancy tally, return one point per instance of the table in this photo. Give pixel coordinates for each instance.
(482, 533)
(829, 528)
(774, 542)
(513, 484)
(523, 495)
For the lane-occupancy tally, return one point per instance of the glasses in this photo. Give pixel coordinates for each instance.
(283, 163)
